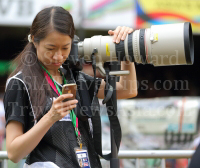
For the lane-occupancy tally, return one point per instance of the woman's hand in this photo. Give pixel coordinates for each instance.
(60, 109)
(127, 86)
(120, 33)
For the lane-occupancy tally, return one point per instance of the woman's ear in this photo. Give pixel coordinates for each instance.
(34, 42)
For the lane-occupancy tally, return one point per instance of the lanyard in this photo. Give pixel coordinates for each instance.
(56, 88)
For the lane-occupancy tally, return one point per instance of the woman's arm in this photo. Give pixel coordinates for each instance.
(127, 86)
(20, 144)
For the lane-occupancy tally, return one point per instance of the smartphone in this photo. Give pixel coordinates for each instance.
(69, 89)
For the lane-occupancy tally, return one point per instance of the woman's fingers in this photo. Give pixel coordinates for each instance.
(63, 97)
(116, 32)
(64, 113)
(130, 30)
(120, 33)
(111, 32)
(60, 109)
(126, 32)
(65, 109)
(61, 104)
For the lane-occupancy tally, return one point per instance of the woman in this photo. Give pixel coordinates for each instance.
(37, 119)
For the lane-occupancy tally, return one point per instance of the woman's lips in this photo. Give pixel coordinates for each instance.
(56, 64)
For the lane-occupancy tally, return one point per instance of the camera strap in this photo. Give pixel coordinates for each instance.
(94, 111)
(112, 114)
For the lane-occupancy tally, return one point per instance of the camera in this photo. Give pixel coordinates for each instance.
(159, 45)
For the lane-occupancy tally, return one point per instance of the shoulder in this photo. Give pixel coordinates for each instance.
(16, 89)
(15, 82)
(17, 103)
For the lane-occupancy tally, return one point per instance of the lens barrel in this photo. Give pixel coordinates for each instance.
(160, 45)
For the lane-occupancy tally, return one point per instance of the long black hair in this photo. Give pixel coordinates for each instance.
(47, 20)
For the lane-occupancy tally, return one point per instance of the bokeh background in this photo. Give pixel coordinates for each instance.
(173, 88)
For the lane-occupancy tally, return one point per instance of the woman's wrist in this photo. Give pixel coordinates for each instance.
(48, 118)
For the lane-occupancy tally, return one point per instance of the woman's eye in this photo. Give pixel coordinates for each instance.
(65, 48)
(50, 49)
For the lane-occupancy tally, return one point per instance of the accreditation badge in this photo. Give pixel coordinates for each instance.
(82, 157)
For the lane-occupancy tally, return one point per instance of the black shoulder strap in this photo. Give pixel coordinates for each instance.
(114, 125)
(93, 111)
(112, 114)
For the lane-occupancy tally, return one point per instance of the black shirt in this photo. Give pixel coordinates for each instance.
(56, 149)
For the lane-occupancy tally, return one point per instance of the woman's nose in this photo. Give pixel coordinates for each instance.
(58, 55)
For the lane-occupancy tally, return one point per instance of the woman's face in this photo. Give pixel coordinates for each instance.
(53, 50)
